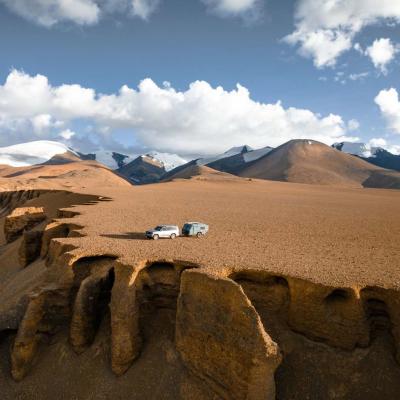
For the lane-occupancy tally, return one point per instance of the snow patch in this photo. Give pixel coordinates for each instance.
(31, 153)
(108, 158)
(229, 153)
(170, 161)
(357, 149)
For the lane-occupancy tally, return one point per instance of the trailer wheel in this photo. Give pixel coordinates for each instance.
(155, 237)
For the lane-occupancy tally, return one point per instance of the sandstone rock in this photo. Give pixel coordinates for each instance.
(51, 231)
(126, 341)
(21, 219)
(221, 339)
(27, 340)
(136, 293)
(382, 313)
(47, 311)
(88, 308)
(333, 315)
(30, 247)
(11, 200)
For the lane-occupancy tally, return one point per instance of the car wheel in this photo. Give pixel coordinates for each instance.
(199, 234)
(173, 236)
(155, 237)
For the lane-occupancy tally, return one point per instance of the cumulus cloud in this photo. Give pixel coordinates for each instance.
(246, 8)
(325, 29)
(88, 12)
(144, 8)
(80, 12)
(67, 134)
(200, 120)
(381, 52)
(383, 143)
(389, 105)
(50, 12)
(353, 125)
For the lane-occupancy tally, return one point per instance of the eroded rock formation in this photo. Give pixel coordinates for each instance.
(30, 247)
(12, 199)
(242, 334)
(221, 339)
(21, 219)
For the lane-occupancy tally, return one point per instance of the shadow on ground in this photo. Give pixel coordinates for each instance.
(127, 235)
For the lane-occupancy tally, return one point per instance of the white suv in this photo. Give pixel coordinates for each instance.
(163, 231)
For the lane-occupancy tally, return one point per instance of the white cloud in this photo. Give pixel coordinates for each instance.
(41, 123)
(80, 12)
(144, 8)
(50, 12)
(324, 46)
(353, 125)
(357, 47)
(200, 120)
(389, 105)
(377, 142)
(89, 12)
(325, 29)
(381, 52)
(381, 142)
(67, 134)
(358, 77)
(246, 8)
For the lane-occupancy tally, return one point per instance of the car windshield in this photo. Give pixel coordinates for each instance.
(186, 226)
(158, 228)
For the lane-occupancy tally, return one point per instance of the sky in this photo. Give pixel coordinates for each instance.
(196, 77)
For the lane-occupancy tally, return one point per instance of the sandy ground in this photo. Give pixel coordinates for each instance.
(329, 234)
(332, 235)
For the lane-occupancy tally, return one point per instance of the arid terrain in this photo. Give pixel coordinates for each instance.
(293, 294)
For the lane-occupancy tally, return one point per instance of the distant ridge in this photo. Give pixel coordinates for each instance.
(236, 163)
(143, 170)
(375, 155)
(312, 162)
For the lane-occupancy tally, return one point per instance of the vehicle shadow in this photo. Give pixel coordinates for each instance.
(127, 235)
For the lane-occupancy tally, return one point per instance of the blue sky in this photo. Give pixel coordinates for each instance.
(220, 42)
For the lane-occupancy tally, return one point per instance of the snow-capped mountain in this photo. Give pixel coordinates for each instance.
(357, 149)
(375, 155)
(256, 154)
(30, 153)
(170, 161)
(232, 160)
(142, 170)
(116, 160)
(236, 162)
(229, 153)
(112, 159)
(41, 151)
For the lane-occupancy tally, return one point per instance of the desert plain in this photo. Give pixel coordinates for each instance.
(293, 294)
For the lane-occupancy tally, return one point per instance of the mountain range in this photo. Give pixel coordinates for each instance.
(298, 161)
(375, 155)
